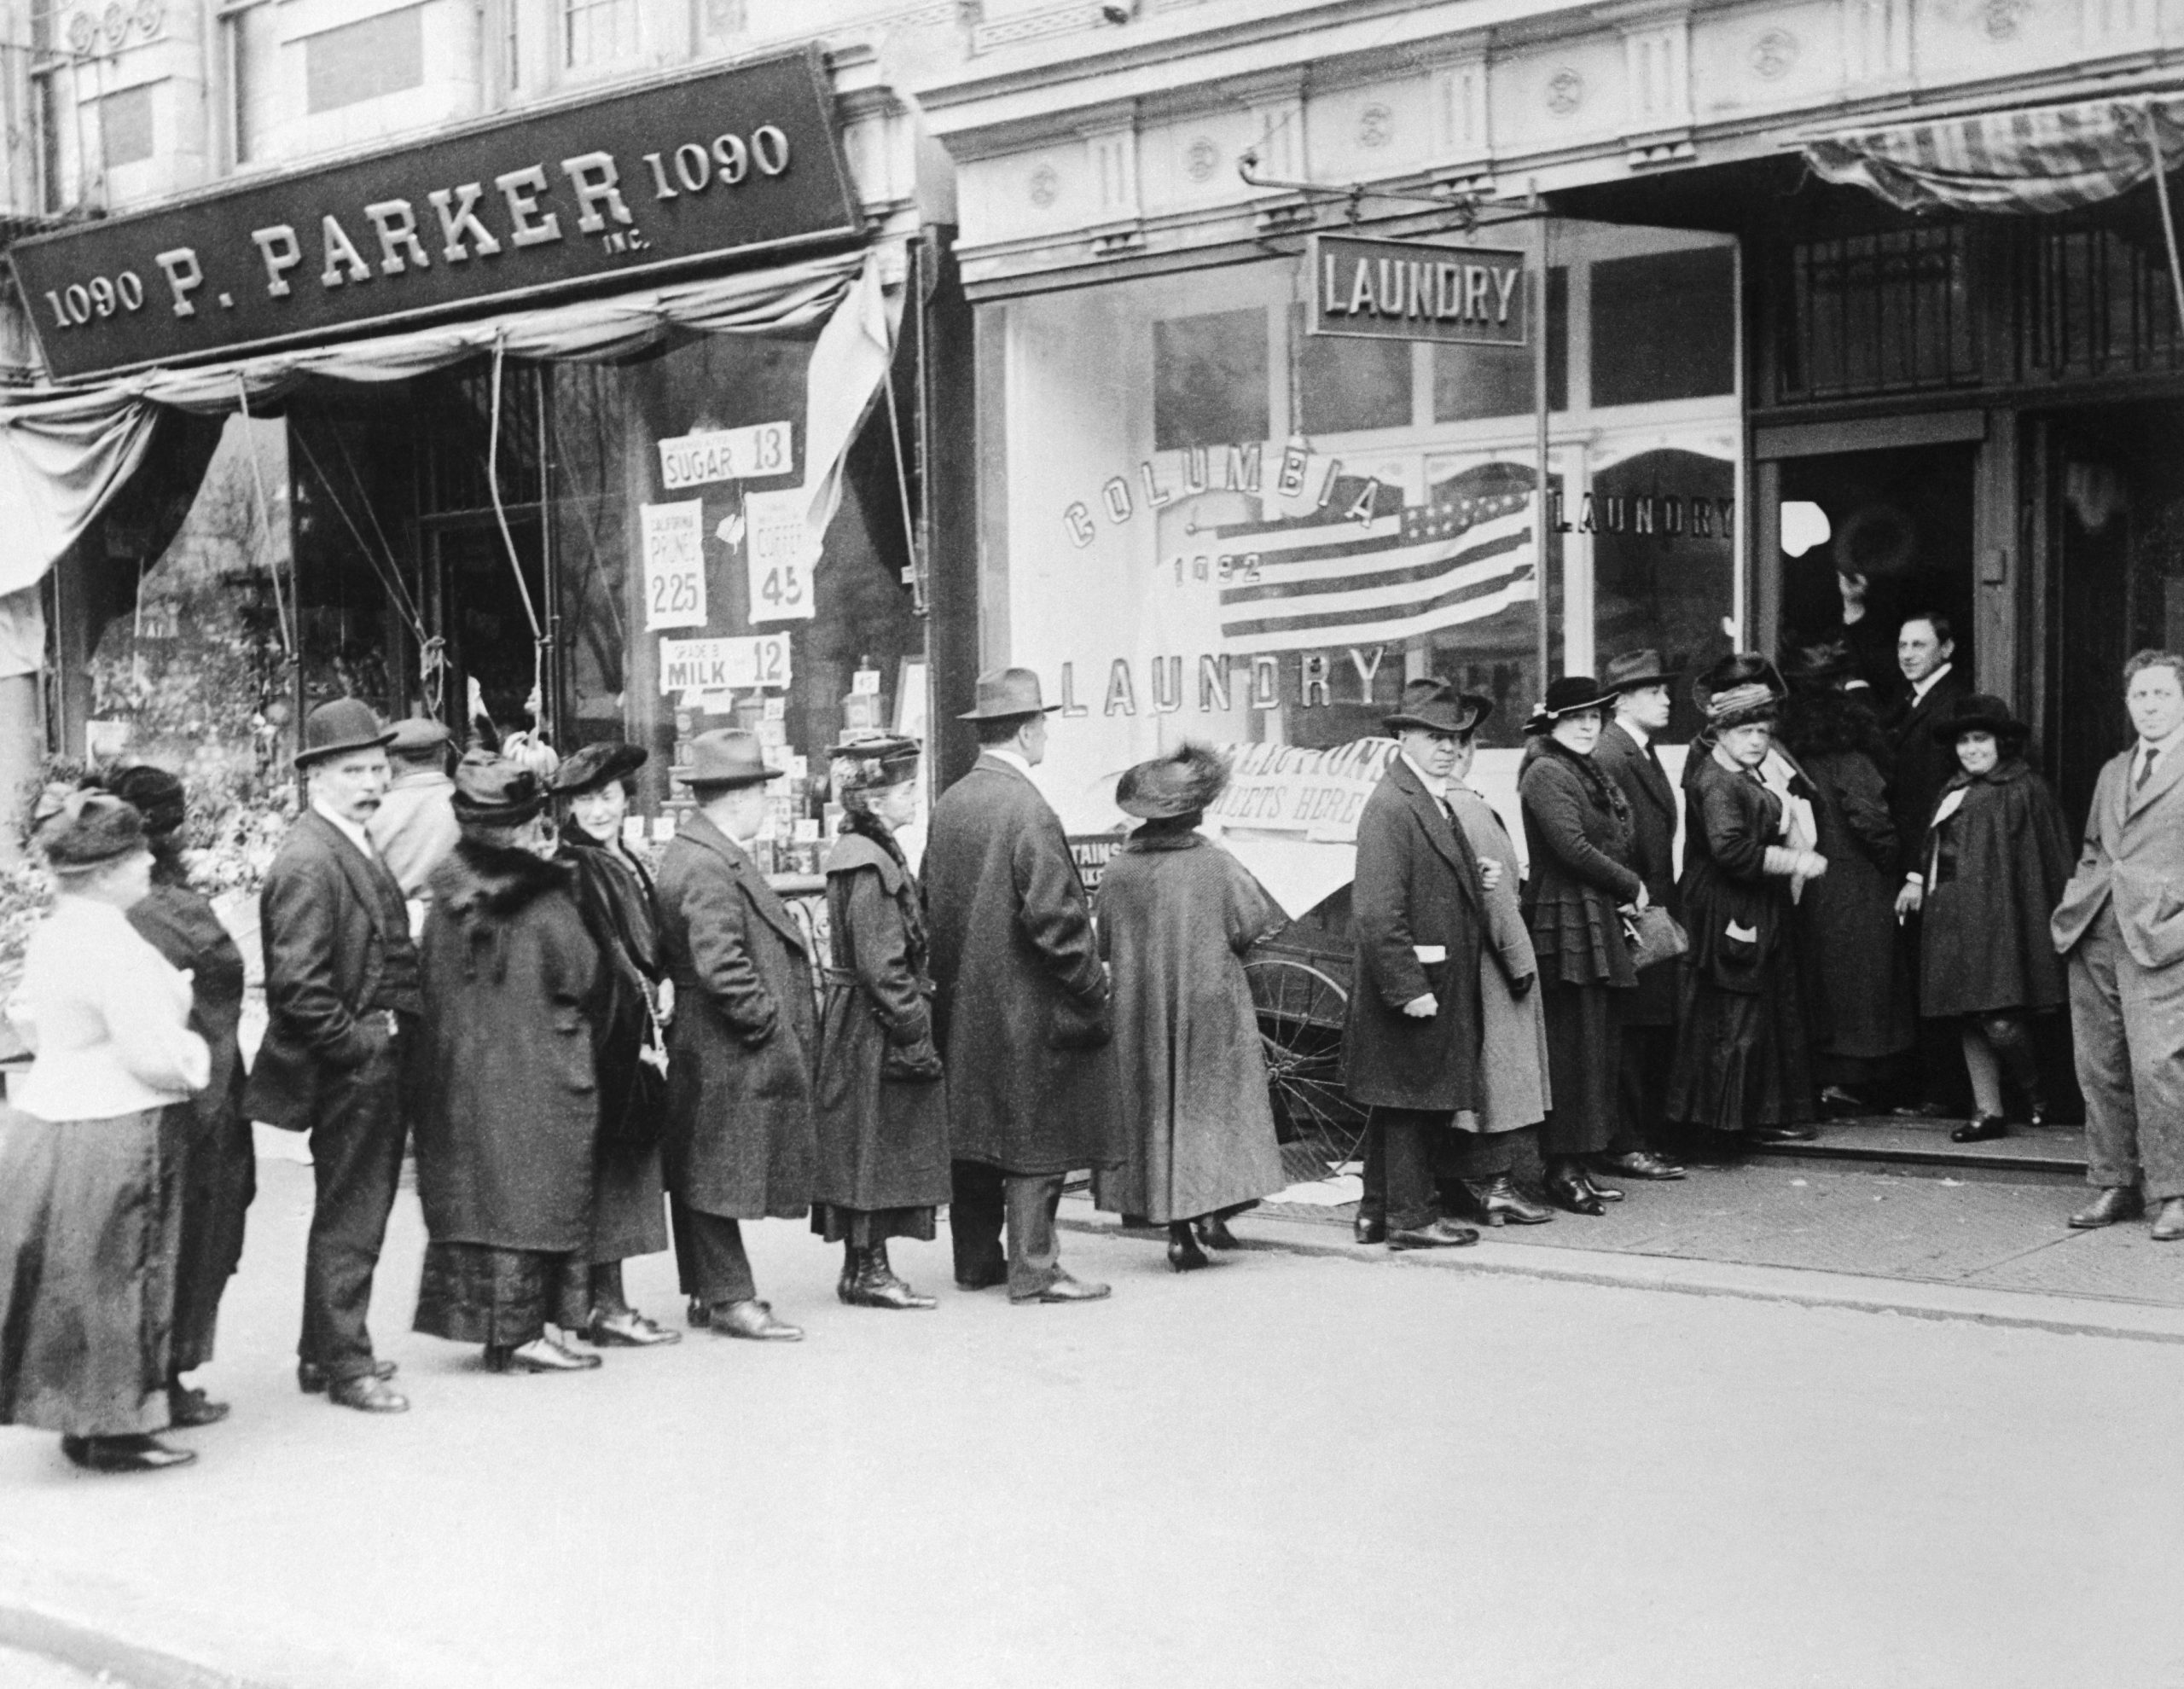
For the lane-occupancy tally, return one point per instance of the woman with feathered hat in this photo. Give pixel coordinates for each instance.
(879, 1111)
(89, 1214)
(1175, 914)
(1742, 1062)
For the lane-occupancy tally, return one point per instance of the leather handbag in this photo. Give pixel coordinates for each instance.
(637, 1126)
(1654, 936)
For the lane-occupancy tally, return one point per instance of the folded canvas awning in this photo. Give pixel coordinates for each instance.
(64, 454)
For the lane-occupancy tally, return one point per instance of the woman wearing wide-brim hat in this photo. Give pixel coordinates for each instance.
(614, 891)
(1175, 914)
(879, 1104)
(1581, 843)
(90, 1216)
(1996, 858)
(508, 1131)
(1743, 1064)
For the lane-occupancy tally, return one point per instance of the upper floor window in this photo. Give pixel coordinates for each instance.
(384, 54)
(597, 33)
(125, 127)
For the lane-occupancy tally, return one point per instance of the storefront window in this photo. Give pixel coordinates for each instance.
(1470, 383)
(1665, 325)
(1345, 385)
(1210, 378)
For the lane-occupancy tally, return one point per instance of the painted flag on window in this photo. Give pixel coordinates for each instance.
(1416, 570)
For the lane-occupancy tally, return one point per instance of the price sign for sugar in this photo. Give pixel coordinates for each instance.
(750, 454)
(780, 550)
(674, 565)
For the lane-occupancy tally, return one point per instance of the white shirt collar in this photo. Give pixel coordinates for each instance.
(1015, 759)
(1439, 788)
(356, 835)
(2160, 747)
(1920, 688)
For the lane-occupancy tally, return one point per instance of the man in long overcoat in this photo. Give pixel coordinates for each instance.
(1411, 1044)
(1626, 754)
(737, 1143)
(342, 1006)
(2121, 923)
(1022, 1011)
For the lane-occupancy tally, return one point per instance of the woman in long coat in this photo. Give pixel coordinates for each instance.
(1578, 830)
(208, 1136)
(1514, 1093)
(89, 1215)
(507, 1134)
(879, 1109)
(1997, 856)
(614, 895)
(1742, 1063)
(1864, 1013)
(1175, 914)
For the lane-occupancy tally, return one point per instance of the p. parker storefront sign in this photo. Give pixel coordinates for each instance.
(742, 159)
(1406, 290)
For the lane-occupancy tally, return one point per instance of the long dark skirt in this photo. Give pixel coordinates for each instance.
(629, 1208)
(1581, 1056)
(1742, 1057)
(865, 1226)
(90, 1219)
(501, 1297)
(218, 1169)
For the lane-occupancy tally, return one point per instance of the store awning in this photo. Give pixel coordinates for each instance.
(65, 454)
(2045, 159)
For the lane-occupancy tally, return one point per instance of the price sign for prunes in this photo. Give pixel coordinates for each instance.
(728, 454)
(675, 563)
(780, 551)
(736, 664)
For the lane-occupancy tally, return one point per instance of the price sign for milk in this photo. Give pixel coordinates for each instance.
(780, 550)
(674, 565)
(742, 663)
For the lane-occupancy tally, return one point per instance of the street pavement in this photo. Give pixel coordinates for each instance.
(1296, 1468)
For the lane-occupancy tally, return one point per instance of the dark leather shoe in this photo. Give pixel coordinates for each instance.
(990, 1277)
(754, 1319)
(2115, 1203)
(628, 1330)
(312, 1378)
(1798, 1133)
(696, 1315)
(1066, 1289)
(1979, 1129)
(2169, 1224)
(188, 1409)
(542, 1355)
(367, 1394)
(1605, 1192)
(1568, 1191)
(1498, 1202)
(876, 1287)
(1213, 1232)
(1370, 1229)
(1183, 1253)
(1436, 1234)
(1640, 1165)
(123, 1454)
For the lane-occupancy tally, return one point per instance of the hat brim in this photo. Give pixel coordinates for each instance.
(620, 763)
(1542, 718)
(1477, 707)
(1004, 715)
(303, 759)
(1667, 677)
(730, 782)
(2002, 727)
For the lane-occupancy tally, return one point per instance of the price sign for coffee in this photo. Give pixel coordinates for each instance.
(674, 565)
(780, 550)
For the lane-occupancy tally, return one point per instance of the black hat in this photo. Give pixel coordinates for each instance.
(1979, 712)
(1742, 688)
(153, 794)
(721, 757)
(1638, 668)
(417, 736)
(601, 764)
(871, 762)
(1571, 695)
(491, 791)
(1821, 664)
(1430, 706)
(84, 828)
(340, 724)
(1184, 781)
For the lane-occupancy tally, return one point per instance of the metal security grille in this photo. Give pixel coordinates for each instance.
(2096, 301)
(1879, 313)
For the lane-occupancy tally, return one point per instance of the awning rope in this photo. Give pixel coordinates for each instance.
(508, 539)
(265, 525)
(2168, 215)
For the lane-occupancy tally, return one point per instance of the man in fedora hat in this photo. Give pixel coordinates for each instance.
(1411, 1044)
(1626, 753)
(342, 1001)
(737, 1144)
(415, 827)
(1021, 1012)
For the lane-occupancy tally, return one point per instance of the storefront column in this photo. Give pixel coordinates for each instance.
(1998, 563)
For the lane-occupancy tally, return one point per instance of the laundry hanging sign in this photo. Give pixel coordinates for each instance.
(1408, 290)
(742, 159)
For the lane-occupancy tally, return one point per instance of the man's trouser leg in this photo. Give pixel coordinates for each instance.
(976, 1212)
(2153, 1026)
(355, 1148)
(2104, 1057)
(1404, 1139)
(1034, 1247)
(1641, 1085)
(718, 1269)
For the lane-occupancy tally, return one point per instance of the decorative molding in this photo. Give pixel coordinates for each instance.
(1461, 113)
(1034, 27)
(2002, 19)
(1275, 104)
(2113, 25)
(1376, 125)
(1201, 158)
(1566, 91)
(1657, 69)
(1774, 54)
(1876, 43)
(1044, 186)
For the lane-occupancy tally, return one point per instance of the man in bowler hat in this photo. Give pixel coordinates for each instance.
(342, 1001)
(738, 1142)
(1021, 1012)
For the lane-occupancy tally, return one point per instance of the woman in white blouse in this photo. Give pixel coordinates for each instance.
(87, 1214)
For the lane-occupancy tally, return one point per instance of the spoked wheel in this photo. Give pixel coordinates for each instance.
(1301, 1013)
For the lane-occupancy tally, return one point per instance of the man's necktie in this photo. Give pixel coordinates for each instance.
(1655, 757)
(2145, 769)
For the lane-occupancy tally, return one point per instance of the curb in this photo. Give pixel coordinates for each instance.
(2026, 1310)
(108, 1658)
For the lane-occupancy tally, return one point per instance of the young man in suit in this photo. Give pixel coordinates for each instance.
(2121, 924)
(1021, 1005)
(1627, 755)
(342, 1001)
(1925, 649)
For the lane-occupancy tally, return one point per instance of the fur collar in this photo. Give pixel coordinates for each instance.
(482, 883)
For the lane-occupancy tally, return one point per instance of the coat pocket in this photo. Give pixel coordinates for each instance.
(1075, 1025)
(1740, 944)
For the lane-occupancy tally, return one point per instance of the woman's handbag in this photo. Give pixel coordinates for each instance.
(1654, 936)
(637, 1126)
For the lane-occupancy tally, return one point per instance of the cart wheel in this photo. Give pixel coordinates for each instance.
(1301, 1013)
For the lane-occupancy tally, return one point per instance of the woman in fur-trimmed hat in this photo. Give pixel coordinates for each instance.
(1177, 912)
